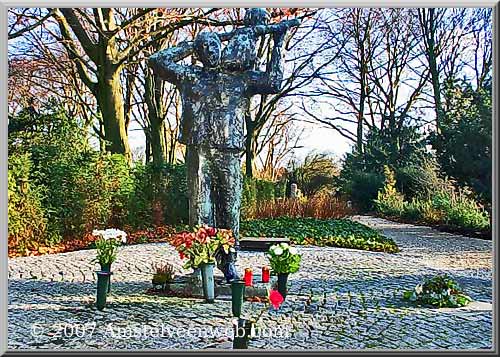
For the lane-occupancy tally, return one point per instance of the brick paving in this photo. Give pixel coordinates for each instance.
(340, 299)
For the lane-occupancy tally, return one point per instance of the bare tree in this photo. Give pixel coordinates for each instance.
(307, 58)
(96, 40)
(346, 81)
(279, 138)
(377, 80)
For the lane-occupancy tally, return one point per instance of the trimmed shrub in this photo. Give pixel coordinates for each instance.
(418, 180)
(256, 191)
(159, 195)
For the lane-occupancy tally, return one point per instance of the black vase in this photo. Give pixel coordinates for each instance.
(283, 284)
(107, 268)
(237, 295)
(242, 334)
(102, 288)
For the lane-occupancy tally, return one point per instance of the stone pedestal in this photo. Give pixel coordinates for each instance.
(191, 286)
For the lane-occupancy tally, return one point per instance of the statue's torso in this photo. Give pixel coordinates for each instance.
(214, 106)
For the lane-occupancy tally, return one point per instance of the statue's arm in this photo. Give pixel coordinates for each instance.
(270, 81)
(283, 26)
(164, 63)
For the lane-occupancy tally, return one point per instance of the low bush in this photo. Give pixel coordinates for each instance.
(418, 180)
(389, 201)
(256, 191)
(159, 196)
(316, 173)
(446, 206)
(332, 232)
(462, 210)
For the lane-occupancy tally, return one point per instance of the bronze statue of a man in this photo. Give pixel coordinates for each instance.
(215, 99)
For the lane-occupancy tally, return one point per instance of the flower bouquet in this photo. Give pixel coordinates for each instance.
(284, 259)
(438, 291)
(200, 248)
(107, 242)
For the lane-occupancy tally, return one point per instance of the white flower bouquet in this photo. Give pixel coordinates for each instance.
(284, 258)
(107, 242)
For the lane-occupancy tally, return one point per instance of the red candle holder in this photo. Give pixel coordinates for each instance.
(248, 277)
(265, 274)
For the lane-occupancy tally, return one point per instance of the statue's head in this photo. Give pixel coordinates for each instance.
(207, 47)
(256, 16)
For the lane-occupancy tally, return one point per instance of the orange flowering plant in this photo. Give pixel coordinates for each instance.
(201, 245)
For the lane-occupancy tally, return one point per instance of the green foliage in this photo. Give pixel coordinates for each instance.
(159, 195)
(105, 186)
(420, 180)
(362, 187)
(332, 232)
(362, 174)
(77, 188)
(389, 201)
(256, 191)
(284, 259)
(27, 223)
(461, 210)
(438, 291)
(446, 206)
(106, 250)
(464, 146)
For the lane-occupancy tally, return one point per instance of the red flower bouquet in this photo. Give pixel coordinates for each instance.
(201, 245)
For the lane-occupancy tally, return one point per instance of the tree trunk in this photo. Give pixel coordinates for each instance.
(147, 149)
(429, 30)
(110, 100)
(155, 114)
(157, 142)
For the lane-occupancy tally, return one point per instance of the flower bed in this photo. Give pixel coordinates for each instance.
(342, 233)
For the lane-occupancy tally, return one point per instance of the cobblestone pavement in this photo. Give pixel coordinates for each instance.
(340, 299)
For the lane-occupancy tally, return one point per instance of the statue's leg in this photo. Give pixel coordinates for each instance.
(228, 204)
(199, 183)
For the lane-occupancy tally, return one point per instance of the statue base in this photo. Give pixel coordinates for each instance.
(190, 286)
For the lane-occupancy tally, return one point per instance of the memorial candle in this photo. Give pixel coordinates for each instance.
(265, 274)
(248, 277)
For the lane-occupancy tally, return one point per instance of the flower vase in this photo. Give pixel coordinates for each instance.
(102, 288)
(282, 284)
(207, 277)
(107, 268)
(237, 295)
(242, 334)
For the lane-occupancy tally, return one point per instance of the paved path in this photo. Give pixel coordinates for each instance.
(340, 299)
